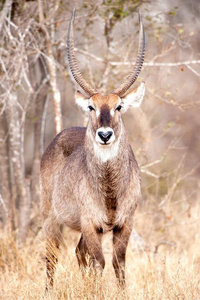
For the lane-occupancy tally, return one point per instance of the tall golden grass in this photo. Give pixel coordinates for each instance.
(167, 268)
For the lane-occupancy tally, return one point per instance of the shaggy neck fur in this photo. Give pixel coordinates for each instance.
(109, 175)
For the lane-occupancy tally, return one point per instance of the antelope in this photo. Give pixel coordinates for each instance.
(89, 175)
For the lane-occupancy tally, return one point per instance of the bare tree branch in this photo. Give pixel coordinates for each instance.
(193, 70)
(53, 11)
(40, 11)
(4, 12)
(146, 64)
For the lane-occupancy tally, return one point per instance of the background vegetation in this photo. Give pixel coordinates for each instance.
(37, 101)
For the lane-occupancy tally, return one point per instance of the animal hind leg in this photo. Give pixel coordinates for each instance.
(53, 239)
(82, 252)
(52, 247)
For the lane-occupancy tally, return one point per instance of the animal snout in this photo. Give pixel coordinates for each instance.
(105, 136)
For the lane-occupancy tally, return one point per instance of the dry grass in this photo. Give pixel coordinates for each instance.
(171, 273)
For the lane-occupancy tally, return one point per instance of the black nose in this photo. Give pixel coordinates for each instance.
(105, 136)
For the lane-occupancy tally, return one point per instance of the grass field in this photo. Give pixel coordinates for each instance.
(167, 267)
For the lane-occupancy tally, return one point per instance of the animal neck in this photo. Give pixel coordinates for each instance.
(109, 178)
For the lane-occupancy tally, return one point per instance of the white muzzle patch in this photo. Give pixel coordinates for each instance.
(105, 131)
(105, 151)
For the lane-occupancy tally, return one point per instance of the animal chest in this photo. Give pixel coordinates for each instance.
(110, 193)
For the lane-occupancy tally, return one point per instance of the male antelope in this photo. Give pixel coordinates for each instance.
(89, 176)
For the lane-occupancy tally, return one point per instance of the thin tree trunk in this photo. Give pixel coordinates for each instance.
(38, 79)
(39, 105)
(51, 62)
(5, 191)
(22, 187)
(54, 88)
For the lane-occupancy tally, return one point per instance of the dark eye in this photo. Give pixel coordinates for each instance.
(91, 108)
(119, 107)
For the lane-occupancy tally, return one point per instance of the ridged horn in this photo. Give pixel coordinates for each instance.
(73, 62)
(122, 88)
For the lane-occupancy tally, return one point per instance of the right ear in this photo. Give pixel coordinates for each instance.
(134, 98)
(82, 101)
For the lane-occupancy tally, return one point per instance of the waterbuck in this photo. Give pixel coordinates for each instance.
(89, 176)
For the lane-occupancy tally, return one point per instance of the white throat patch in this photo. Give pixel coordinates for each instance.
(106, 152)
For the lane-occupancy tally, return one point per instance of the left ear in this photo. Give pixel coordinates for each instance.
(82, 101)
(134, 98)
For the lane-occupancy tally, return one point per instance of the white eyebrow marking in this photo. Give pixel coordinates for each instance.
(112, 112)
(97, 113)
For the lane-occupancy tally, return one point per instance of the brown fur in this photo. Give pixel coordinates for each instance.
(110, 100)
(82, 192)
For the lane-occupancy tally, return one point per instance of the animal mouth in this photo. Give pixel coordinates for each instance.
(105, 143)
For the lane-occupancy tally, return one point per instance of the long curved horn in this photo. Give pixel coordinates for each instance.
(122, 88)
(73, 62)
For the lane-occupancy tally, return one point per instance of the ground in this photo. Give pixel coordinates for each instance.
(167, 267)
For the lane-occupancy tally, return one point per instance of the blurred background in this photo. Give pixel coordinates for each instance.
(37, 96)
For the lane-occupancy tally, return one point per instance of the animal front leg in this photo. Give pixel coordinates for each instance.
(120, 241)
(90, 243)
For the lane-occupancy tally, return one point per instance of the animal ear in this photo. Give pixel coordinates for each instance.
(81, 101)
(134, 98)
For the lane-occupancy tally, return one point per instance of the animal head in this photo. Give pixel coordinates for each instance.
(105, 111)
